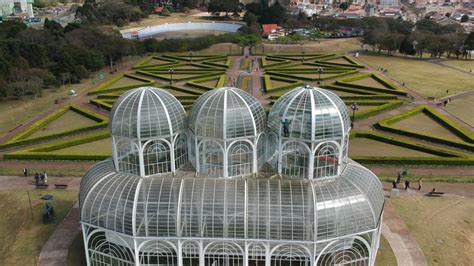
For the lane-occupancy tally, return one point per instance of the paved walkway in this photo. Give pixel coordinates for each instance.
(406, 249)
(54, 252)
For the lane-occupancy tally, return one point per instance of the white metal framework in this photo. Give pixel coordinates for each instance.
(148, 132)
(309, 129)
(226, 128)
(183, 219)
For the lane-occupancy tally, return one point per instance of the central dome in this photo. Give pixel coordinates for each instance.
(311, 113)
(227, 113)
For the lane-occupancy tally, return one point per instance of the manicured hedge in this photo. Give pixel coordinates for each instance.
(107, 105)
(379, 97)
(184, 89)
(351, 63)
(450, 158)
(450, 125)
(269, 87)
(196, 83)
(274, 73)
(146, 61)
(102, 88)
(349, 90)
(391, 88)
(46, 152)
(166, 76)
(377, 110)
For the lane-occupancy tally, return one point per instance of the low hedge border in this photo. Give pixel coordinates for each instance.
(166, 76)
(107, 105)
(351, 62)
(410, 145)
(386, 125)
(377, 110)
(196, 83)
(145, 62)
(55, 115)
(350, 90)
(44, 152)
(383, 98)
(269, 87)
(350, 72)
(390, 86)
(102, 88)
(188, 90)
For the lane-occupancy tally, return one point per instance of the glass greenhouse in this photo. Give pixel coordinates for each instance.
(149, 206)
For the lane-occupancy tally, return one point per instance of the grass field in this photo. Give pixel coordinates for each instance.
(369, 82)
(463, 109)
(103, 146)
(210, 83)
(125, 81)
(369, 147)
(443, 227)
(424, 124)
(21, 237)
(340, 46)
(385, 256)
(425, 78)
(465, 65)
(68, 121)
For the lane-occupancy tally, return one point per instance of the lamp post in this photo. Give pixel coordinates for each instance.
(354, 108)
(171, 71)
(320, 70)
(190, 56)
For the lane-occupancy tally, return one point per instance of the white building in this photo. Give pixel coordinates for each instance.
(148, 206)
(9, 7)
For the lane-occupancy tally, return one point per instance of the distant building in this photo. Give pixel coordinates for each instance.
(388, 3)
(269, 29)
(16, 7)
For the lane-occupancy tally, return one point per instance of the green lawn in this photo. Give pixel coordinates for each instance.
(278, 83)
(369, 147)
(369, 82)
(443, 227)
(210, 83)
(424, 124)
(425, 78)
(463, 108)
(103, 146)
(465, 65)
(22, 237)
(68, 121)
(385, 256)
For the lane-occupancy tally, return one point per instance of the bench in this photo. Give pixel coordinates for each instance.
(60, 186)
(435, 194)
(42, 186)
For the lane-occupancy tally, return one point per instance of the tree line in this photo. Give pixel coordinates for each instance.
(426, 36)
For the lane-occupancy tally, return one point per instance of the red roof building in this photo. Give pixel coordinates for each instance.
(159, 10)
(269, 29)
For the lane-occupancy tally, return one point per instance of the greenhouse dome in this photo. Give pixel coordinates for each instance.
(227, 133)
(148, 125)
(229, 214)
(308, 133)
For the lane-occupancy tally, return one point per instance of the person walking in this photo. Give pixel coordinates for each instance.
(420, 183)
(399, 178)
(37, 178)
(45, 177)
(25, 172)
(407, 185)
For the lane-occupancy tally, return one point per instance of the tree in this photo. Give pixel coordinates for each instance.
(406, 47)
(344, 6)
(274, 14)
(421, 41)
(250, 18)
(464, 18)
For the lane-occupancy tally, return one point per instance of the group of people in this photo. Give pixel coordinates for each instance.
(407, 182)
(383, 70)
(40, 179)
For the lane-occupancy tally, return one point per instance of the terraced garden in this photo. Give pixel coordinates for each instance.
(390, 128)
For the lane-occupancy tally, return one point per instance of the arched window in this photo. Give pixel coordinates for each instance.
(326, 160)
(108, 250)
(256, 254)
(295, 159)
(190, 253)
(180, 151)
(211, 158)
(157, 253)
(127, 156)
(223, 254)
(350, 251)
(294, 255)
(240, 158)
(157, 157)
